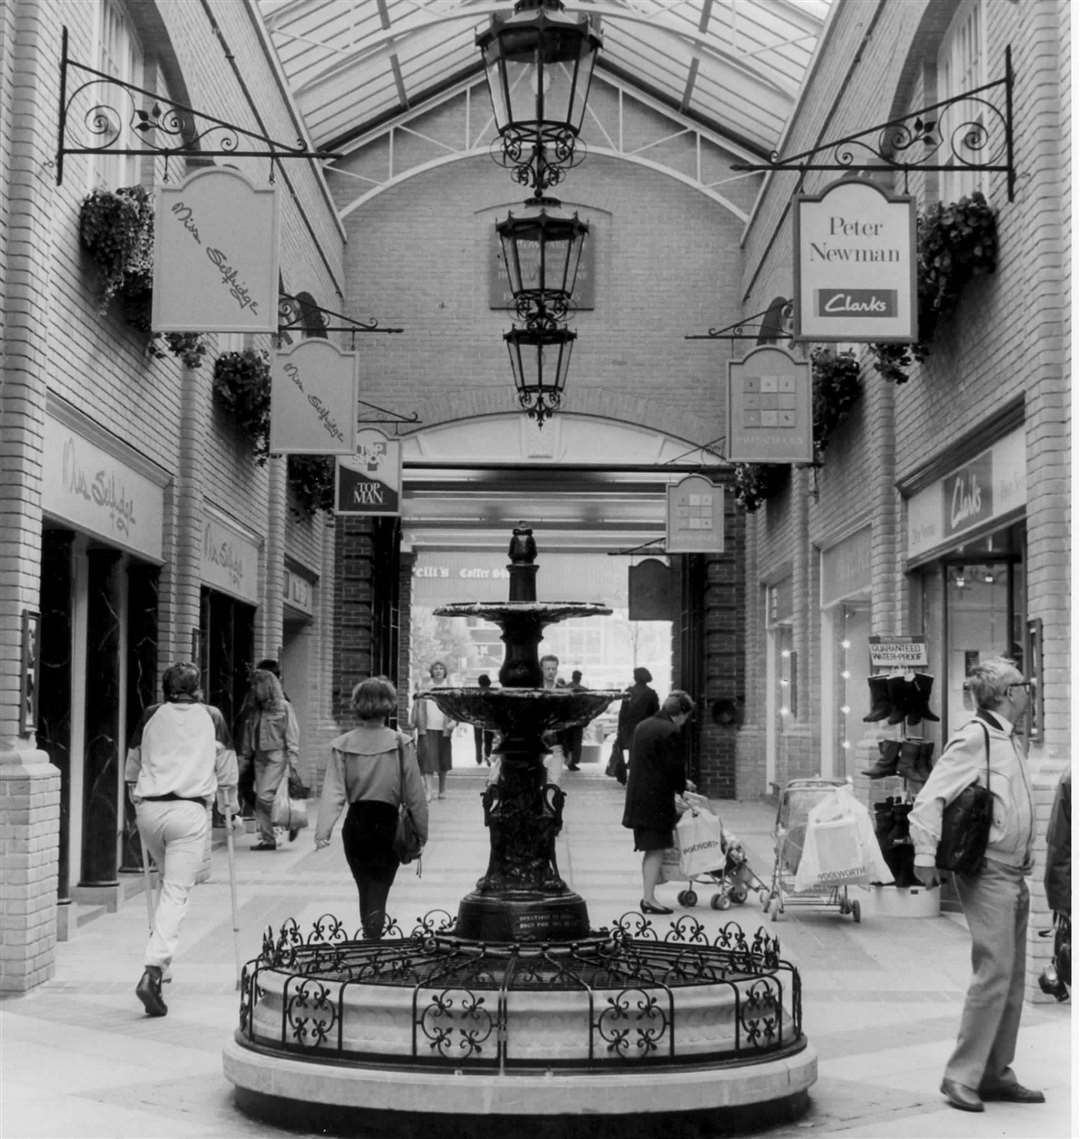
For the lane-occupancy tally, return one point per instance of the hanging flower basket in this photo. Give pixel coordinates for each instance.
(311, 480)
(956, 243)
(116, 228)
(242, 387)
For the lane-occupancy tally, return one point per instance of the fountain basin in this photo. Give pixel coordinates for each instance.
(523, 711)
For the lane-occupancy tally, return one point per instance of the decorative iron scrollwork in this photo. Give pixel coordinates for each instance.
(634, 1023)
(456, 1024)
(309, 1013)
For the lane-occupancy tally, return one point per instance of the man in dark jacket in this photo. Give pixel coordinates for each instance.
(656, 776)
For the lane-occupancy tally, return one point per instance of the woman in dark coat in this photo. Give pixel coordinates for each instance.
(639, 702)
(656, 776)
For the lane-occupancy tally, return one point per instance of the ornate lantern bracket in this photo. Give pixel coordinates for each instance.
(106, 107)
(970, 131)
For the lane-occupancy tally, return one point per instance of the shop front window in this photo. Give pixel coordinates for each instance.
(850, 651)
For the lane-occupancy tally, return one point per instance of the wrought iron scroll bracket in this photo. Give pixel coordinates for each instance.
(971, 131)
(739, 330)
(297, 315)
(390, 416)
(106, 106)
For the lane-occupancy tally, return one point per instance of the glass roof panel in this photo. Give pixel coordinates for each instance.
(734, 66)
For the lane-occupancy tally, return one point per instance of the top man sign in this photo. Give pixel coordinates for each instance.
(215, 255)
(855, 265)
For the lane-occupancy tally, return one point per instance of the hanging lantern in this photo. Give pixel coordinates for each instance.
(539, 63)
(540, 359)
(542, 252)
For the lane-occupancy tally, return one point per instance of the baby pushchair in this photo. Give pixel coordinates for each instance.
(734, 879)
(796, 801)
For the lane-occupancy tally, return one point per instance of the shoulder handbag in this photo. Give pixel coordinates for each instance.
(965, 825)
(407, 843)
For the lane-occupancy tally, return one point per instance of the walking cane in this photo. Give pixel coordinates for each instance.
(230, 848)
(148, 883)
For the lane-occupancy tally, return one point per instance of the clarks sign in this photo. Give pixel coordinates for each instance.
(854, 265)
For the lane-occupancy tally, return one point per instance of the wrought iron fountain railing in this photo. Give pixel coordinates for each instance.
(462, 993)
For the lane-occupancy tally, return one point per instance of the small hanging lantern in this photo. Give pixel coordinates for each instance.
(540, 359)
(539, 63)
(542, 252)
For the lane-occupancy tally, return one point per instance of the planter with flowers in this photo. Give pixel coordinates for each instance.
(956, 243)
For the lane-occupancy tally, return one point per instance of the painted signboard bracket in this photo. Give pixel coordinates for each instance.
(739, 331)
(298, 315)
(913, 141)
(163, 126)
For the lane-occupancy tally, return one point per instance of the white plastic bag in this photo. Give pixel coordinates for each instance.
(840, 847)
(288, 813)
(699, 838)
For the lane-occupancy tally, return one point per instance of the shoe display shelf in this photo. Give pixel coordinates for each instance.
(899, 700)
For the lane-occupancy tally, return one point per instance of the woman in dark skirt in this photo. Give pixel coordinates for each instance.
(656, 776)
(371, 768)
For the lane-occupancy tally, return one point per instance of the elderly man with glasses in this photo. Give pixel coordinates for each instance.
(995, 900)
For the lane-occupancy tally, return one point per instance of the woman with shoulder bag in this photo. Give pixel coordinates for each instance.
(373, 768)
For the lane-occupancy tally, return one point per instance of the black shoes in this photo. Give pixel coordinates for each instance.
(148, 990)
(293, 832)
(650, 908)
(1014, 1093)
(961, 1096)
(265, 846)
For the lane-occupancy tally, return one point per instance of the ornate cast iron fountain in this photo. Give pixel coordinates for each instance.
(452, 1023)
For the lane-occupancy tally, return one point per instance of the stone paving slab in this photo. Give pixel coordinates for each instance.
(79, 1060)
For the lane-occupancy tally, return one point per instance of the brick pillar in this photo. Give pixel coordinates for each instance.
(29, 784)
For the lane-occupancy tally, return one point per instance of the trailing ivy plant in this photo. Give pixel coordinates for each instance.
(836, 387)
(116, 228)
(956, 242)
(242, 386)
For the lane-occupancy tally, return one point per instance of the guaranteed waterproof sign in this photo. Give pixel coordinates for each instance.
(215, 255)
(855, 265)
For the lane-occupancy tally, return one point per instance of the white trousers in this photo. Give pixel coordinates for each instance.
(554, 761)
(174, 833)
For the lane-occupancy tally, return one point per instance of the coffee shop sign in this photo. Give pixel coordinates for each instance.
(469, 573)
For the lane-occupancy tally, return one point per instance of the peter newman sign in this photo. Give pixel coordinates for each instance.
(855, 265)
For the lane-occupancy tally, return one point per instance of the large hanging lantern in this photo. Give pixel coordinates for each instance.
(539, 63)
(540, 358)
(542, 252)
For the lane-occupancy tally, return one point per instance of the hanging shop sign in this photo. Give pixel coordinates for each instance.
(229, 559)
(986, 488)
(369, 481)
(313, 393)
(855, 265)
(98, 493)
(769, 408)
(898, 652)
(695, 517)
(215, 255)
(651, 592)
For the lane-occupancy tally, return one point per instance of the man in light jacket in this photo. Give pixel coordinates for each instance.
(179, 757)
(995, 901)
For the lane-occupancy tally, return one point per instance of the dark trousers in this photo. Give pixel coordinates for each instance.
(368, 836)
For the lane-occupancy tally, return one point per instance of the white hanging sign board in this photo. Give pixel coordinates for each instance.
(215, 255)
(313, 392)
(695, 517)
(369, 482)
(855, 265)
(770, 416)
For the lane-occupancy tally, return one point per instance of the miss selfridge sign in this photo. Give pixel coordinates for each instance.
(855, 265)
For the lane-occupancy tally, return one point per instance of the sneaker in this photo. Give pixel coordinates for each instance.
(148, 990)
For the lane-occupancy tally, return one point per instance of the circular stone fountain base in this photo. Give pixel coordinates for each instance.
(672, 1102)
(563, 917)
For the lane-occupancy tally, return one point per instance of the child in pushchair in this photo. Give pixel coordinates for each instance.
(735, 878)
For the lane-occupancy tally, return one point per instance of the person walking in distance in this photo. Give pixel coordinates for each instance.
(178, 759)
(657, 774)
(573, 737)
(434, 735)
(271, 741)
(553, 741)
(371, 768)
(639, 702)
(483, 738)
(995, 900)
